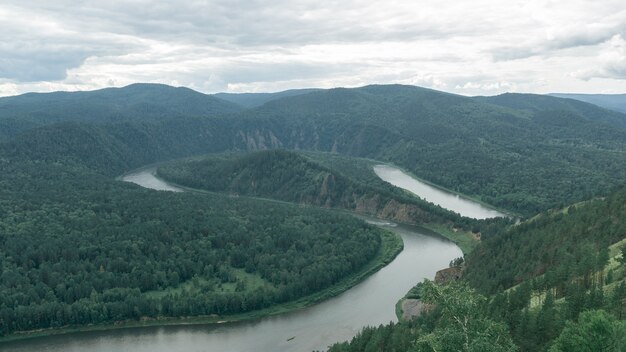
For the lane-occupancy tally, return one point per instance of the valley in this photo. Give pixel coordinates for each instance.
(245, 215)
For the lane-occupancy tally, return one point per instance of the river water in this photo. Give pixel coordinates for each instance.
(372, 302)
(447, 200)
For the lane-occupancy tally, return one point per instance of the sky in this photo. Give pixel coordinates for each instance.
(465, 47)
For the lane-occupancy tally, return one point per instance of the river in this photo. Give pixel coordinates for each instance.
(447, 200)
(372, 302)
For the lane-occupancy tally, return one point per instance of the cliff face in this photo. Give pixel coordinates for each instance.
(388, 209)
(447, 275)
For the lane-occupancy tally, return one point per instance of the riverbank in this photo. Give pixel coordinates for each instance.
(391, 246)
(475, 199)
(465, 240)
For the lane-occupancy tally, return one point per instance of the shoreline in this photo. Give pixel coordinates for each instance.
(507, 213)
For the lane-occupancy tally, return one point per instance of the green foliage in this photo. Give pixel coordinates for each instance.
(463, 325)
(252, 100)
(391, 337)
(615, 102)
(78, 248)
(136, 102)
(319, 179)
(595, 331)
(561, 245)
(515, 157)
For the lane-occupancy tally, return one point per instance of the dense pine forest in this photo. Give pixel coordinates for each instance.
(78, 247)
(140, 253)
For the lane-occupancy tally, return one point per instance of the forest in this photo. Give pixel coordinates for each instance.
(138, 253)
(319, 179)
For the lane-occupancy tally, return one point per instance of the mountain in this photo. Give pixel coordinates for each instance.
(252, 100)
(518, 158)
(136, 102)
(521, 160)
(615, 102)
(535, 103)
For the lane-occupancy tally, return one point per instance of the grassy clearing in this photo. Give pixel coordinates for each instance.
(465, 240)
(249, 282)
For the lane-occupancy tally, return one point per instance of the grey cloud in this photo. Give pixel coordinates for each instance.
(572, 38)
(39, 50)
(263, 43)
(250, 22)
(38, 67)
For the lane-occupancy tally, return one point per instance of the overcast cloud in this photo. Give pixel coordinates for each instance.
(472, 48)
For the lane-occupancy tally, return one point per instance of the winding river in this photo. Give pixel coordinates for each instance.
(314, 328)
(447, 200)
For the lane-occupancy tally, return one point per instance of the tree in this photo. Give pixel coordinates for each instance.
(464, 325)
(595, 330)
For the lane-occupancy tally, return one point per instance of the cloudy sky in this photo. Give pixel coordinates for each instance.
(467, 47)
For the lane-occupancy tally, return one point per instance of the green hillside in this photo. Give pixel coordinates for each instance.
(136, 102)
(615, 102)
(539, 105)
(318, 179)
(559, 245)
(252, 100)
(570, 290)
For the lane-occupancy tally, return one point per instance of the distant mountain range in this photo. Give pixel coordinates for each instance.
(252, 100)
(615, 102)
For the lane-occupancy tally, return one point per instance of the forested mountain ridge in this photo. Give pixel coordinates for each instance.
(136, 102)
(516, 159)
(615, 102)
(525, 160)
(252, 100)
(534, 103)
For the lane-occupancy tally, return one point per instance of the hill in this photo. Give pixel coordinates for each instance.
(538, 104)
(615, 102)
(136, 102)
(558, 243)
(569, 274)
(308, 179)
(252, 100)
